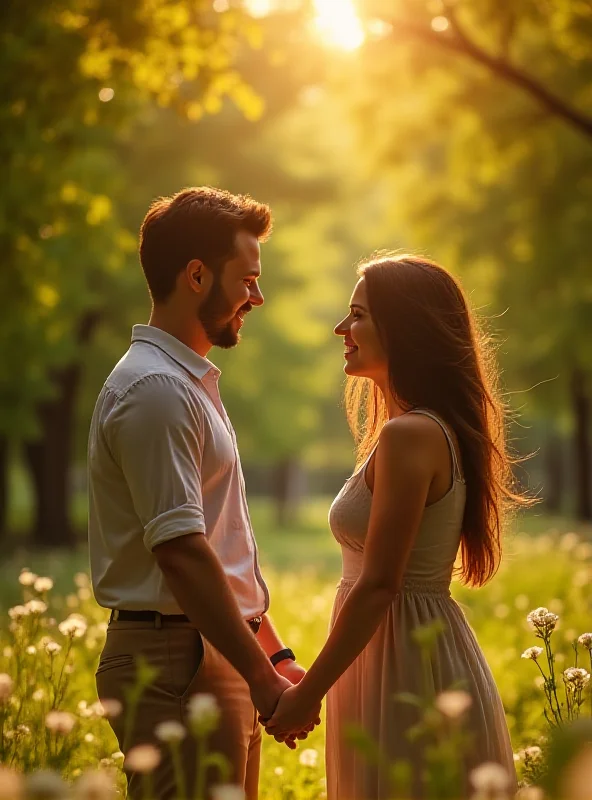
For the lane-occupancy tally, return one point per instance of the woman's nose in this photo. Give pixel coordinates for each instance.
(342, 327)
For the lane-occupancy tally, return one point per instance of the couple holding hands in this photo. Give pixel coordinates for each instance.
(172, 550)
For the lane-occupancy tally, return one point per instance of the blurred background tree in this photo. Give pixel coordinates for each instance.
(458, 129)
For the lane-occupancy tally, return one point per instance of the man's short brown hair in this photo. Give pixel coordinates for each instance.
(197, 223)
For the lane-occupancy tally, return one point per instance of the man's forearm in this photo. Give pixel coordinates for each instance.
(196, 579)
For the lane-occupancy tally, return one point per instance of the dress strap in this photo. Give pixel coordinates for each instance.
(455, 465)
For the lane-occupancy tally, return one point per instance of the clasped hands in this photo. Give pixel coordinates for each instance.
(294, 716)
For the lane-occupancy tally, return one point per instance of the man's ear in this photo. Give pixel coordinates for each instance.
(194, 272)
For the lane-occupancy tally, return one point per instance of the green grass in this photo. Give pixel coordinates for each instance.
(548, 562)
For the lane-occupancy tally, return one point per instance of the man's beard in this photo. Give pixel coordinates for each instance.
(215, 309)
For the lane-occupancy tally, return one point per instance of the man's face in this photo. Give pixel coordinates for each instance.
(233, 293)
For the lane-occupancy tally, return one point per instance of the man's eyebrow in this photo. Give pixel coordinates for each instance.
(253, 274)
(357, 305)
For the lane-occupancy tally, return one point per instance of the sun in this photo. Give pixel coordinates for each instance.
(338, 24)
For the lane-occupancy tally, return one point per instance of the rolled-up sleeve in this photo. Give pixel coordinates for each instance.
(155, 434)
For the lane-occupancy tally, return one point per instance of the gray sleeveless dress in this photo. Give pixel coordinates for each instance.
(391, 663)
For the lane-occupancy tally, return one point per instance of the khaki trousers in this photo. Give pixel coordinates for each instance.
(187, 664)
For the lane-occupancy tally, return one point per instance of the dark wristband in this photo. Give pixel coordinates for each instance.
(282, 655)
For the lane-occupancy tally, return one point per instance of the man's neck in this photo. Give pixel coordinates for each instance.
(191, 333)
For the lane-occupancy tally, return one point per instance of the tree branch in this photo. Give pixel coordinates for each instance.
(460, 43)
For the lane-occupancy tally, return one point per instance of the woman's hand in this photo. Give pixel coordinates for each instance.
(294, 714)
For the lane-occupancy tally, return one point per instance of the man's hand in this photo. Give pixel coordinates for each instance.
(294, 714)
(291, 670)
(266, 694)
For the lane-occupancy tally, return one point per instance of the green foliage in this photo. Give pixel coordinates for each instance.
(301, 605)
(467, 105)
(74, 74)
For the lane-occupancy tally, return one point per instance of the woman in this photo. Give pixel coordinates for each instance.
(433, 481)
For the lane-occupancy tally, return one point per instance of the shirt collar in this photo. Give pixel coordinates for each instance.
(173, 347)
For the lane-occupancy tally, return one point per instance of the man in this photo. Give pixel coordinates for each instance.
(171, 545)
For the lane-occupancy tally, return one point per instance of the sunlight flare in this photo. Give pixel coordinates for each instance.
(338, 24)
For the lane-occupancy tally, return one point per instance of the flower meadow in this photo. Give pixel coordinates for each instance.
(534, 622)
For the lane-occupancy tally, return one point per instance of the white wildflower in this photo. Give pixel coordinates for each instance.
(53, 648)
(60, 721)
(228, 791)
(586, 640)
(533, 752)
(569, 541)
(23, 730)
(279, 770)
(170, 731)
(107, 707)
(36, 607)
(16, 612)
(204, 712)
(453, 703)
(576, 678)
(27, 578)
(75, 626)
(31, 650)
(43, 585)
(81, 579)
(95, 785)
(45, 785)
(576, 779)
(117, 756)
(490, 777)
(11, 784)
(309, 757)
(88, 738)
(143, 758)
(542, 620)
(38, 695)
(532, 652)
(583, 551)
(530, 793)
(7, 652)
(6, 686)
(84, 594)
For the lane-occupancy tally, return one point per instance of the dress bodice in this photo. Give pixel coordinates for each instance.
(435, 548)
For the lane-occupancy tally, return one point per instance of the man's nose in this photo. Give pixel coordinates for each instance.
(256, 297)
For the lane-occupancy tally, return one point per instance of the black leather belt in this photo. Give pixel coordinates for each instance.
(157, 617)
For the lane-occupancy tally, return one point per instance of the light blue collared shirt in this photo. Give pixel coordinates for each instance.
(163, 462)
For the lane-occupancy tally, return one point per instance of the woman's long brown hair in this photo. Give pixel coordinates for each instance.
(438, 359)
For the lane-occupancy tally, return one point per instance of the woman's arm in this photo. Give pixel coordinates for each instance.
(404, 469)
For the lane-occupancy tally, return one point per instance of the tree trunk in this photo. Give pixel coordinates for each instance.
(582, 407)
(553, 483)
(48, 457)
(287, 491)
(3, 487)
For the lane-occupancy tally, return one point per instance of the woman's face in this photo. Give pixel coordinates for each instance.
(364, 354)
